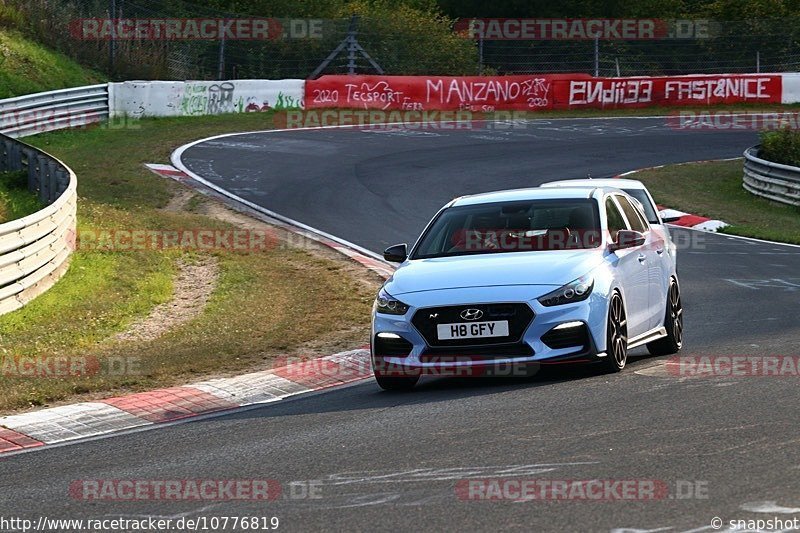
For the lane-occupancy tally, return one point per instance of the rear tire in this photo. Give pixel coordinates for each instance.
(396, 383)
(616, 335)
(673, 323)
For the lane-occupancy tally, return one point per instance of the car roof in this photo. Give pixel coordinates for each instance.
(619, 183)
(531, 193)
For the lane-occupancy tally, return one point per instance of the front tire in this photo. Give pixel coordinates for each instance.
(396, 383)
(616, 335)
(673, 323)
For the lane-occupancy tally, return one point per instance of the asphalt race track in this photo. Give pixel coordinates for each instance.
(377, 188)
(724, 447)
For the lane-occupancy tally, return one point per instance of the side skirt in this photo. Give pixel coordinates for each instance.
(646, 337)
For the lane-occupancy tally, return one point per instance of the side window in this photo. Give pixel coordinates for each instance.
(633, 215)
(615, 220)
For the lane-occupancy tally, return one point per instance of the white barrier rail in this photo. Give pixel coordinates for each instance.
(35, 250)
(776, 182)
(54, 110)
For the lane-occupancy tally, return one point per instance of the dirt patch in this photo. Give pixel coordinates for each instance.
(195, 282)
(180, 200)
(192, 288)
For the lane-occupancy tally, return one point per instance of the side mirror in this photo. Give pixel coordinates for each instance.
(396, 254)
(627, 238)
(669, 220)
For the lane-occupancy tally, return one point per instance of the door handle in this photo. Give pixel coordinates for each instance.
(642, 258)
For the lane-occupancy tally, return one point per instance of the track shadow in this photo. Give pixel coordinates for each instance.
(367, 395)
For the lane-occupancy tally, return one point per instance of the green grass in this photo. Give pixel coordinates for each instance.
(28, 67)
(15, 200)
(265, 304)
(714, 189)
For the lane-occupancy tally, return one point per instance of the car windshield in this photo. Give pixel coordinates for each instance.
(534, 225)
(649, 212)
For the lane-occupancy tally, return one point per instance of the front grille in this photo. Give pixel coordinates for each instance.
(475, 353)
(518, 315)
(577, 336)
(383, 347)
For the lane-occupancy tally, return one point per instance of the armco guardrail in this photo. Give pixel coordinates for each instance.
(54, 110)
(780, 183)
(35, 250)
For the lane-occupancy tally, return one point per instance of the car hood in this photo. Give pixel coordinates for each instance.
(553, 267)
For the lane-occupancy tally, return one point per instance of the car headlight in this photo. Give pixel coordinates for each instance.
(574, 291)
(389, 305)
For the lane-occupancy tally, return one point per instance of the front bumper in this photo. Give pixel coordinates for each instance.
(410, 350)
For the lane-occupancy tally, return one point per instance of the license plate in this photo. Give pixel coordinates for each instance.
(472, 330)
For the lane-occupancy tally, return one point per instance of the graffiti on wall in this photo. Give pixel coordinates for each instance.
(205, 99)
(225, 97)
(423, 93)
(220, 99)
(282, 101)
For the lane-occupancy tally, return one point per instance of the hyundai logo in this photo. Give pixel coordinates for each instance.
(471, 314)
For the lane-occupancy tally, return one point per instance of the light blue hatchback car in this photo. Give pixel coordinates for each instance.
(518, 278)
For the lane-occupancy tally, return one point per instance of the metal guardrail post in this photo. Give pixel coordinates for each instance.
(33, 174)
(44, 182)
(15, 157)
(4, 149)
(52, 180)
(62, 180)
